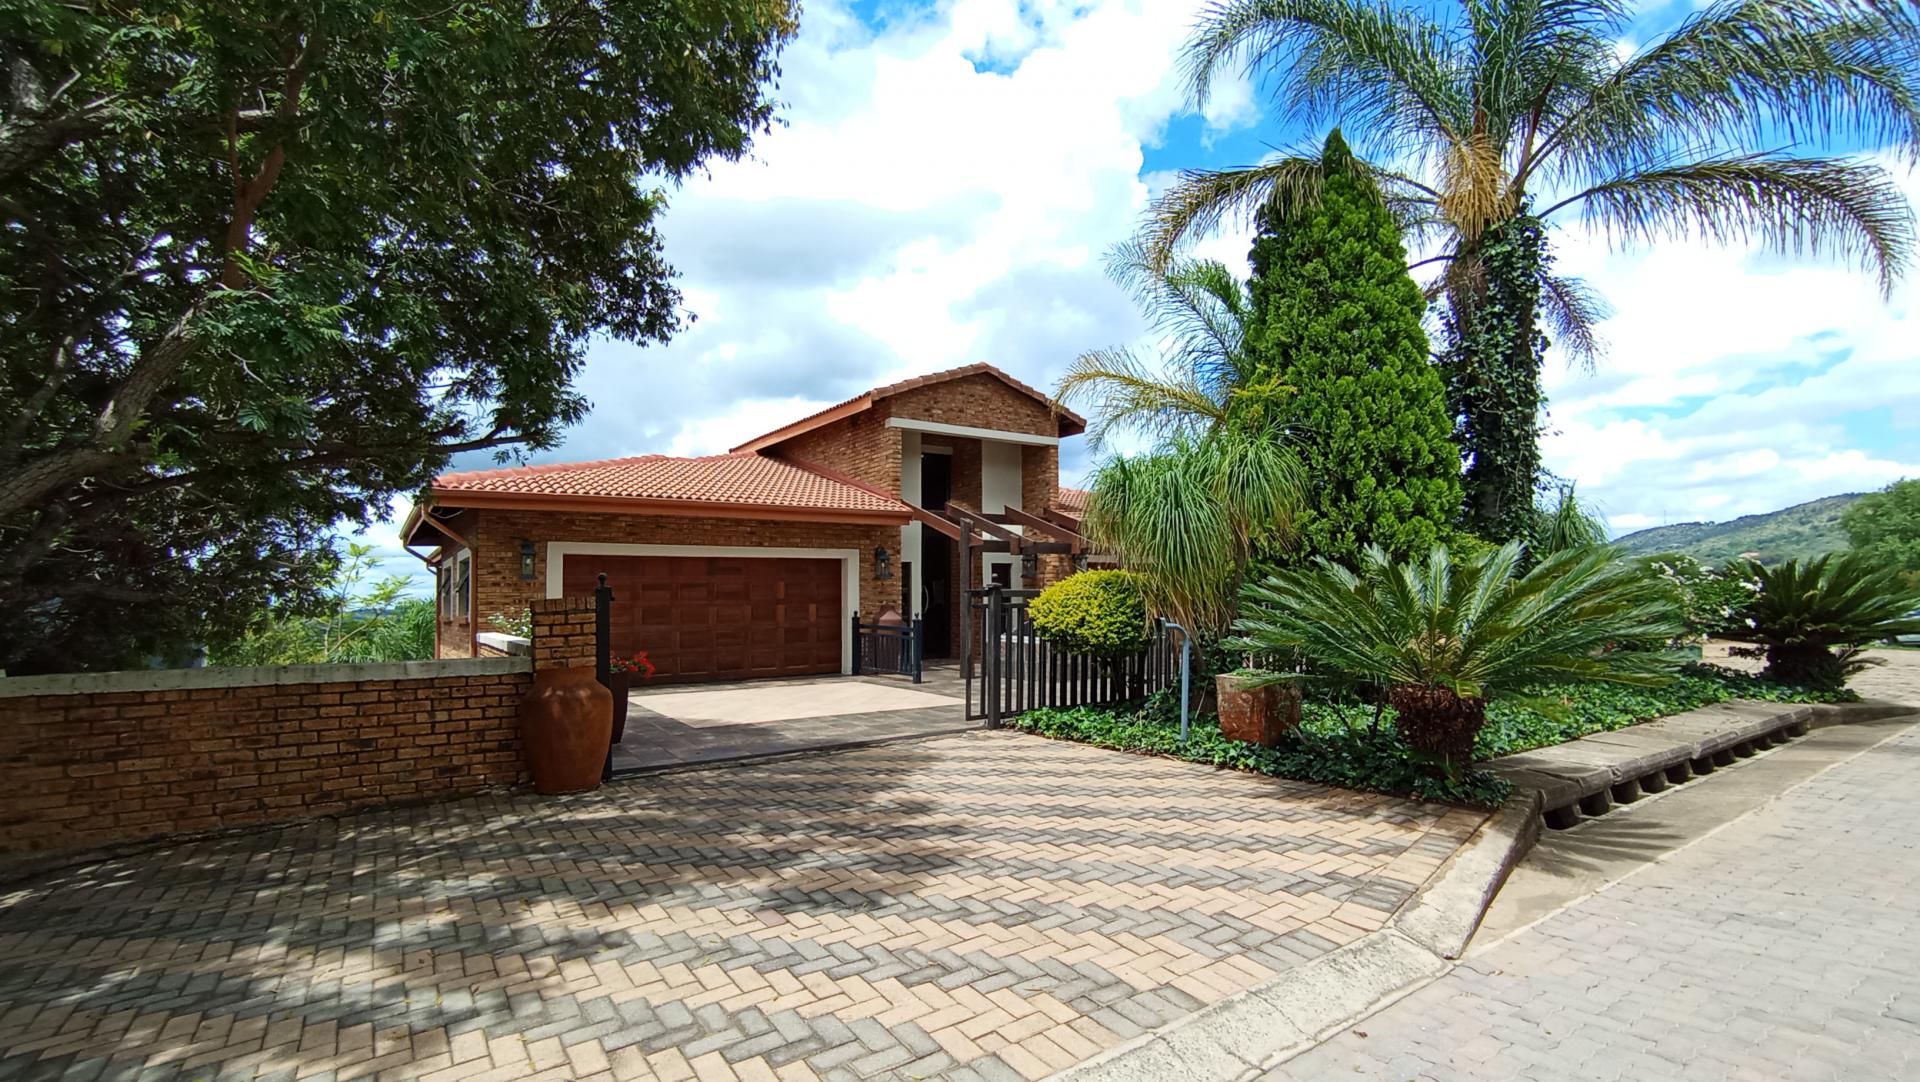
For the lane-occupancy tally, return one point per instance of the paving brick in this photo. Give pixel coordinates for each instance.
(979, 907)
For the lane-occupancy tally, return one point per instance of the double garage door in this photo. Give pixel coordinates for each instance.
(720, 617)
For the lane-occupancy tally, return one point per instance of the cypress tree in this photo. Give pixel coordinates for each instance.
(1337, 320)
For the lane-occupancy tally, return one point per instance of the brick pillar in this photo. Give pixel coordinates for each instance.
(563, 633)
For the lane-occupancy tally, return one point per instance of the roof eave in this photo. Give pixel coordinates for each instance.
(806, 424)
(517, 501)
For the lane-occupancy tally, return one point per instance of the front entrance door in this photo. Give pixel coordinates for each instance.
(936, 557)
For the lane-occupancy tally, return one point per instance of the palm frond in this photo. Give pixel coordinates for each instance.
(1203, 201)
(1793, 205)
(1387, 69)
(1572, 311)
(1757, 71)
(1198, 306)
(1123, 393)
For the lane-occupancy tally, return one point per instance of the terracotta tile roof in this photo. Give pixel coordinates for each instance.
(1072, 423)
(1072, 500)
(736, 480)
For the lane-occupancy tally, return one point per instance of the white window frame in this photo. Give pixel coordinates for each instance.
(558, 551)
(463, 572)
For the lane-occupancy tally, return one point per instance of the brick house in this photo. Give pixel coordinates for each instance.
(754, 562)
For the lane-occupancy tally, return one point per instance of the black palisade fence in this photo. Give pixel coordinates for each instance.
(1017, 671)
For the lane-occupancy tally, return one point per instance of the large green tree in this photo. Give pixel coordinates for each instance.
(1336, 320)
(1491, 118)
(1884, 527)
(265, 264)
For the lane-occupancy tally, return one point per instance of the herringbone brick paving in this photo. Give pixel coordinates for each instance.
(990, 906)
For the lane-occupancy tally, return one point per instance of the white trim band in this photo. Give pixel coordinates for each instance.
(943, 429)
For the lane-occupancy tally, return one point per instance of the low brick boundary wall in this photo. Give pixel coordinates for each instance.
(94, 761)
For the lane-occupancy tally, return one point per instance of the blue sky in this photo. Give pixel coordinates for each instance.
(946, 177)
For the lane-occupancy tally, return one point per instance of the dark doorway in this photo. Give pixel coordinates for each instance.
(936, 596)
(936, 557)
(936, 481)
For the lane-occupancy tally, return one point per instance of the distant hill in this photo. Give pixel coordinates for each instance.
(1805, 529)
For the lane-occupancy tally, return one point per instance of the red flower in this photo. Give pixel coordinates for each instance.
(638, 663)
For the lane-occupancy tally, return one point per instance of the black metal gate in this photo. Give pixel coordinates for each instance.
(1017, 671)
(890, 649)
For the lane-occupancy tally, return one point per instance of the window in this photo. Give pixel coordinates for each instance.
(463, 584)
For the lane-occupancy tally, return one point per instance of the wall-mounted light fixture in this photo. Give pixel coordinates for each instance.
(882, 563)
(526, 560)
(1029, 567)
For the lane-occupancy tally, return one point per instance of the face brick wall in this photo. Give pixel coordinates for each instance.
(977, 402)
(496, 536)
(860, 446)
(89, 769)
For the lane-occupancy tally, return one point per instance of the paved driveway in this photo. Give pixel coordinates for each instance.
(687, 724)
(980, 906)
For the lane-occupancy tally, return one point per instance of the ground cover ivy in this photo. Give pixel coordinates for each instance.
(1353, 746)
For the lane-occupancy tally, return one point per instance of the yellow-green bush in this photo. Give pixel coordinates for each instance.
(1102, 613)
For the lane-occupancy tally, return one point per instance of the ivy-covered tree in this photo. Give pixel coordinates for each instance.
(265, 264)
(1336, 321)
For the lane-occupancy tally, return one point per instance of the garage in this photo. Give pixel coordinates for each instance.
(720, 617)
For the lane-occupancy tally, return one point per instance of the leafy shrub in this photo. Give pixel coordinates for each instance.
(1813, 618)
(1102, 613)
(516, 622)
(1708, 596)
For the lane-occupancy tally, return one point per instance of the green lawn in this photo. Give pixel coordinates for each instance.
(1341, 744)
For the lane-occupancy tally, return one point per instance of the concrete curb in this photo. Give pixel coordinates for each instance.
(1253, 1031)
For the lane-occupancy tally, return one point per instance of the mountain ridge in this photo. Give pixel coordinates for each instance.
(1800, 531)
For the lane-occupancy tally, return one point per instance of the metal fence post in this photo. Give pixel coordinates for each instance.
(856, 644)
(918, 645)
(602, 652)
(990, 654)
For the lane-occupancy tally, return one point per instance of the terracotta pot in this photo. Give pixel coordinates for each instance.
(566, 726)
(1258, 715)
(622, 682)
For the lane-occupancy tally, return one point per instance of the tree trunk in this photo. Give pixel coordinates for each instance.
(1493, 362)
(1437, 722)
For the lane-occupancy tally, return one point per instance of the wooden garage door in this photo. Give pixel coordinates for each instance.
(720, 617)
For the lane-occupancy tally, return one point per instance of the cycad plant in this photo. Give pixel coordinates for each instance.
(1439, 636)
(1814, 618)
(1186, 517)
(1488, 119)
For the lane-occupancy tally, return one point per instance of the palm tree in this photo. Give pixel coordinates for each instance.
(1515, 103)
(1186, 518)
(1201, 310)
(1442, 635)
(1569, 523)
